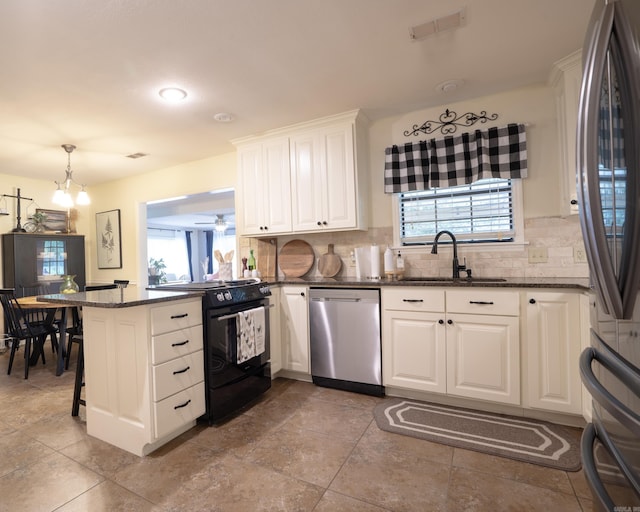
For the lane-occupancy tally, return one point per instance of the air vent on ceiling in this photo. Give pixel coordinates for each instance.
(137, 155)
(436, 25)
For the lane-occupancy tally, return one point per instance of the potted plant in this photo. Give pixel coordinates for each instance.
(157, 274)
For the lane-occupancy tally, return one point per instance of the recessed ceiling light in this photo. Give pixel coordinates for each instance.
(223, 117)
(172, 94)
(449, 86)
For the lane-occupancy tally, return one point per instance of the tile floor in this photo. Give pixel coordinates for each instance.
(300, 448)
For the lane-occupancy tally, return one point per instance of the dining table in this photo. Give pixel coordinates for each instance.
(32, 302)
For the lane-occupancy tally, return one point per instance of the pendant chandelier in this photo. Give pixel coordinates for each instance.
(62, 195)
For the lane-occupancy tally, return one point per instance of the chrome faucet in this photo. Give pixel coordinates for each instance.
(456, 268)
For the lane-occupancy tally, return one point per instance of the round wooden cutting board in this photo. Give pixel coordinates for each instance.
(296, 258)
(329, 263)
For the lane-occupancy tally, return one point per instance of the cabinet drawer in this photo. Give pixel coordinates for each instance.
(175, 315)
(177, 374)
(165, 347)
(413, 298)
(486, 301)
(178, 410)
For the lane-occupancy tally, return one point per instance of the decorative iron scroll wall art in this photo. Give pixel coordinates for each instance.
(449, 121)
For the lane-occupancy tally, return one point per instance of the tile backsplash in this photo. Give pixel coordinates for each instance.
(554, 249)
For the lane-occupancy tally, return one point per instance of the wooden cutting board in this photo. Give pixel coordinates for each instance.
(329, 263)
(296, 258)
(266, 257)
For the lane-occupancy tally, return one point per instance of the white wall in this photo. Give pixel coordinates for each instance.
(534, 106)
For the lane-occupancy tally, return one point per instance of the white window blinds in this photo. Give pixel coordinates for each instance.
(478, 212)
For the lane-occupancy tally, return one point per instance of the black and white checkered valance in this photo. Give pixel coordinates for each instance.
(457, 160)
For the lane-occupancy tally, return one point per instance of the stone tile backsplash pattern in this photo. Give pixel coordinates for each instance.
(558, 235)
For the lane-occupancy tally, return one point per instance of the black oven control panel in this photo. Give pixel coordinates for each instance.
(237, 295)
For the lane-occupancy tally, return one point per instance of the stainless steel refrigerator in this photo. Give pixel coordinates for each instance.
(608, 156)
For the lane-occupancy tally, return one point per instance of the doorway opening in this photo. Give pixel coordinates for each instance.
(184, 235)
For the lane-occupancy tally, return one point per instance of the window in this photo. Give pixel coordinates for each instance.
(52, 259)
(487, 210)
(171, 246)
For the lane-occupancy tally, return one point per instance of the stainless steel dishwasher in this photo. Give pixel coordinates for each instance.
(344, 326)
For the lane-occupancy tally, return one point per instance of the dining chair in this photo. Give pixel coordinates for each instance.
(42, 317)
(20, 329)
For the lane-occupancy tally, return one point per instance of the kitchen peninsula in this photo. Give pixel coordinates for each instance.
(143, 353)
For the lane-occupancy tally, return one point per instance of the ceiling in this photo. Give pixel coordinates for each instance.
(87, 72)
(197, 211)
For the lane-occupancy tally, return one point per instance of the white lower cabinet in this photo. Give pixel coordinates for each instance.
(144, 372)
(414, 345)
(294, 328)
(553, 344)
(464, 343)
(483, 344)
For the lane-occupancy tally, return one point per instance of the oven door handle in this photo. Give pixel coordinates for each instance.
(234, 315)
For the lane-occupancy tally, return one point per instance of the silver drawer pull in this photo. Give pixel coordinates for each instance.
(183, 405)
(173, 317)
(180, 343)
(412, 300)
(181, 371)
(481, 302)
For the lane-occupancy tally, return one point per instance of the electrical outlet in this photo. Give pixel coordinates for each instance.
(538, 255)
(579, 255)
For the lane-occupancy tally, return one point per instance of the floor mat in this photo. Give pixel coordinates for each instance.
(519, 438)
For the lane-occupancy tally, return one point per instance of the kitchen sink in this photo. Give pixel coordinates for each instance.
(454, 280)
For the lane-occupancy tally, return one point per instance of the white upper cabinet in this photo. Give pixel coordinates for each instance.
(565, 79)
(323, 179)
(265, 185)
(322, 186)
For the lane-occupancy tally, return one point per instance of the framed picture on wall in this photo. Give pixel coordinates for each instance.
(109, 240)
(54, 220)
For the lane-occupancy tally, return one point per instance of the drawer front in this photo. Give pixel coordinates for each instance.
(173, 376)
(485, 301)
(175, 315)
(413, 298)
(165, 347)
(178, 410)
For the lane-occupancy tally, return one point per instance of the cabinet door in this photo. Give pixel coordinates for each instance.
(413, 351)
(340, 182)
(307, 182)
(265, 187)
(323, 179)
(483, 357)
(553, 351)
(294, 327)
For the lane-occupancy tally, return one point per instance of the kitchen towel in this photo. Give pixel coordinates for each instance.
(258, 328)
(250, 335)
(375, 262)
(363, 262)
(245, 336)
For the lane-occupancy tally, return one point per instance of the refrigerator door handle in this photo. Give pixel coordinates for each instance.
(624, 373)
(587, 443)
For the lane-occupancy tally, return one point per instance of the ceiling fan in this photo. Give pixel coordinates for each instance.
(220, 225)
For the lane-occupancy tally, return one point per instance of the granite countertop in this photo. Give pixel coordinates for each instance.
(118, 298)
(510, 282)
